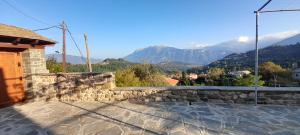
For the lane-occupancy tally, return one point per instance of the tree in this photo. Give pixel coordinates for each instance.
(126, 77)
(53, 66)
(215, 76)
(248, 80)
(184, 81)
(270, 71)
(140, 75)
(216, 73)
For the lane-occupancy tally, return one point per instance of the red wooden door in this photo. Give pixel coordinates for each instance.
(11, 81)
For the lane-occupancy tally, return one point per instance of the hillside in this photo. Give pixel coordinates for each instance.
(112, 65)
(289, 41)
(108, 65)
(175, 66)
(282, 55)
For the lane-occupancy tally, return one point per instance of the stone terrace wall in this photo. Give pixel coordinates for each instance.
(100, 87)
(243, 95)
(67, 86)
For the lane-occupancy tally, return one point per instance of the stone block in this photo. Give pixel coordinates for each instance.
(243, 96)
(158, 99)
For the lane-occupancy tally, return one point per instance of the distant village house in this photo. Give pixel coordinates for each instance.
(296, 74)
(239, 73)
(192, 76)
(172, 82)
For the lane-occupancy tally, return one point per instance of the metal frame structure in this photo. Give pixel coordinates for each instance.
(257, 13)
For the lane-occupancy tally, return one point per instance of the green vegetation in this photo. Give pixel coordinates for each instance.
(248, 80)
(274, 74)
(184, 81)
(216, 77)
(140, 75)
(108, 65)
(132, 74)
(127, 77)
(216, 73)
(127, 74)
(53, 66)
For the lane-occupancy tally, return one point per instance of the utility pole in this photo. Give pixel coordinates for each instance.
(64, 65)
(89, 65)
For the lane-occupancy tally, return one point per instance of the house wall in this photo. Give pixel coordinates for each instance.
(34, 62)
(296, 75)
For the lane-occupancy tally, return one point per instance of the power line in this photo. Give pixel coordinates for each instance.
(24, 14)
(82, 58)
(55, 26)
(42, 22)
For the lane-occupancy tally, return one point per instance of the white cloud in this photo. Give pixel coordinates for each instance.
(243, 39)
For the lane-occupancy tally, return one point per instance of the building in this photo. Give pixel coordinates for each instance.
(172, 82)
(21, 54)
(239, 73)
(296, 74)
(192, 76)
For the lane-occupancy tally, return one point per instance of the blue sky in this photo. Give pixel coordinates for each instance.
(118, 27)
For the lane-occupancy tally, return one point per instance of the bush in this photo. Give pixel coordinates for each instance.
(126, 77)
(53, 66)
(248, 80)
(140, 75)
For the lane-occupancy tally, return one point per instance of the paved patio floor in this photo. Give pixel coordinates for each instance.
(126, 118)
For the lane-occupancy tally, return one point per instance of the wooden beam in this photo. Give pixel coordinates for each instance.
(35, 42)
(16, 41)
(11, 45)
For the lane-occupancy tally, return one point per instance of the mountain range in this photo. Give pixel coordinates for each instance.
(72, 59)
(206, 55)
(287, 56)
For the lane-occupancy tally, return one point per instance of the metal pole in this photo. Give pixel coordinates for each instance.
(260, 10)
(281, 10)
(256, 57)
(64, 48)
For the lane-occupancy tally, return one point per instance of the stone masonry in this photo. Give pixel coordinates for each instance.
(34, 62)
(69, 86)
(101, 87)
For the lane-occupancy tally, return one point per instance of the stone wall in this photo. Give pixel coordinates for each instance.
(198, 94)
(68, 86)
(90, 91)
